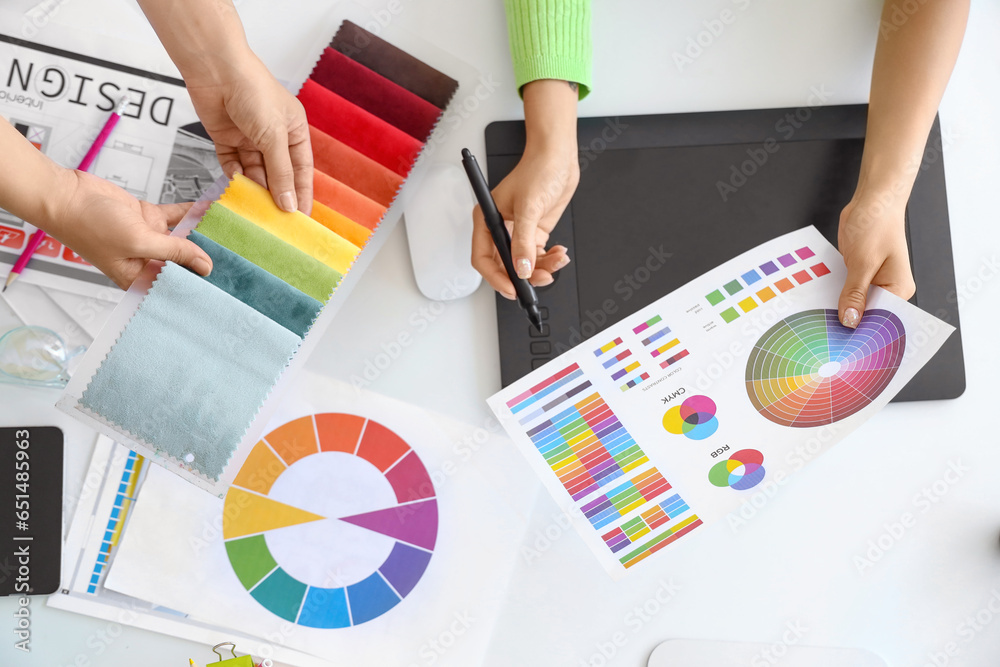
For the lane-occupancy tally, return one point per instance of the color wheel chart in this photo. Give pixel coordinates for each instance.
(810, 370)
(331, 521)
(749, 290)
(588, 448)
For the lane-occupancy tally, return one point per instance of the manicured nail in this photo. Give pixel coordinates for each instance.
(287, 201)
(523, 267)
(562, 262)
(510, 296)
(851, 317)
(201, 266)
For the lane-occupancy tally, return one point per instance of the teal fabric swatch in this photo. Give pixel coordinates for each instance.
(190, 371)
(262, 291)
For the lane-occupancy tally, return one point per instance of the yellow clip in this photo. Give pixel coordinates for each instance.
(240, 661)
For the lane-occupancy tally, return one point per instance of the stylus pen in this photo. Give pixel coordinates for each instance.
(501, 238)
(39, 236)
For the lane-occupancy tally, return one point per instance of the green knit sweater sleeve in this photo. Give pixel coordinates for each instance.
(550, 39)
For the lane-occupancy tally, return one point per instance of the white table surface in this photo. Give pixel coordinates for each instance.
(792, 565)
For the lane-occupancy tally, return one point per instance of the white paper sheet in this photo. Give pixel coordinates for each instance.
(174, 552)
(701, 401)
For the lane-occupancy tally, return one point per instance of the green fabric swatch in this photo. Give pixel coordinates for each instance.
(265, 293)
(270, 253)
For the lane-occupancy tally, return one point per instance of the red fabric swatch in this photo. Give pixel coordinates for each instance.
(358, 172)
(328, 190)
(376, 94)
(359, 129)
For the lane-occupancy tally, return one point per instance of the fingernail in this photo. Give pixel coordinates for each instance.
(851, 317)
(562, 262)
(287, 201)
(201, 266)
(523, 268)
(510, 296)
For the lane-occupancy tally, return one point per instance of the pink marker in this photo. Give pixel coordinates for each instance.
(36, 239)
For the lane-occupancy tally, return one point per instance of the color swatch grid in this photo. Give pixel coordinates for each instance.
(810, 370)
(642, 525)
(119, 510)
(661, 343)
(587, 447)
(217, 345)
(624, 498)
(749, 291)
(620, 363)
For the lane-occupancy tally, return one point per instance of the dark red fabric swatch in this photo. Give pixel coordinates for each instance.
(394, 64)
(375, 93)
(357, 171)
(359, 129)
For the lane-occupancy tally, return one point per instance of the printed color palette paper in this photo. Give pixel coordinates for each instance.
(192, 368)
(723, 410)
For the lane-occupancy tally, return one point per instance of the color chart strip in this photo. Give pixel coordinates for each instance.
(638, 380)
(674, 359)
(119, 510)
(607, 347)
(645, 325)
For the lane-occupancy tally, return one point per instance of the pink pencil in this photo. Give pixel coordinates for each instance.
(39, 236)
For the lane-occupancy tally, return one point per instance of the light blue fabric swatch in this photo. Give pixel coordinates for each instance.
(190, 371)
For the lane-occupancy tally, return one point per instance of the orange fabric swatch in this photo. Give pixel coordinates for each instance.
(359, 172)
(348, 201)
(342, 225)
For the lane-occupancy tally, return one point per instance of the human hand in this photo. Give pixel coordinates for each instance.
(534, 195)
(259, 128)
(872, 239)
(116, 232)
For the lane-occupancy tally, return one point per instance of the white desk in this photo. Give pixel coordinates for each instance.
(794, 562)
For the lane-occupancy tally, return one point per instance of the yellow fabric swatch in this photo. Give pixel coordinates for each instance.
(251, 201)
(340, 224)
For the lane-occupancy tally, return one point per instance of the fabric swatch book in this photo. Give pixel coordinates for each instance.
(680, 413)
(186, 366)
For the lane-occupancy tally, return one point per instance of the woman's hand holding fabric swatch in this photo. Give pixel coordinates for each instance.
(194, 365)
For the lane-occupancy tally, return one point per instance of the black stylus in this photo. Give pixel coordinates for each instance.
(501, 238)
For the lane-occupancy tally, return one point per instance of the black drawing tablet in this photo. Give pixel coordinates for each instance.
(703, 188)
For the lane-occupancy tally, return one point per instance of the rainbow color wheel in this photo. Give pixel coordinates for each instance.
(331, 521)
(810, 370)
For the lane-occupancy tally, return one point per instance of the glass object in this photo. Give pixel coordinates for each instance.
(35, 356)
